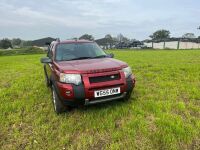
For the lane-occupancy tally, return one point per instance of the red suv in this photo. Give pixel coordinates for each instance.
(79, 72)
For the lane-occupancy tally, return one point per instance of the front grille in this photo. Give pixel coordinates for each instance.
(104, 78)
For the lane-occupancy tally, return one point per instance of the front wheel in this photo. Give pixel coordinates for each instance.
(58, 106)
(127, 97)
(47, 82)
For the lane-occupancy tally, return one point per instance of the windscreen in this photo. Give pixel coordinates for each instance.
(75, 51)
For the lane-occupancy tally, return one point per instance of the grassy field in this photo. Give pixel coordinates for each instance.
(164, 111)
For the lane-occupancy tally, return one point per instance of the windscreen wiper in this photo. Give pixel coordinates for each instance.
(79, 58)
(101, 56)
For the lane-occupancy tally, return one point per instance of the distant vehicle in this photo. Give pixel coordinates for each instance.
(131, 45)
(81, 73)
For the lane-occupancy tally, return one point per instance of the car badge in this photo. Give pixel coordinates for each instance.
(112, 77)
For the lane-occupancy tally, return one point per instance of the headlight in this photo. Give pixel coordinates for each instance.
(70, 78)
(127, 71)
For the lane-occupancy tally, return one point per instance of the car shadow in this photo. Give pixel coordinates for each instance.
(106, 105)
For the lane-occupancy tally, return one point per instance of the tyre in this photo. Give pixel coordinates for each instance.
(127, 97)
(47, 82)
(58, 106)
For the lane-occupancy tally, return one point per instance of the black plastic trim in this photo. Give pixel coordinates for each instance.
(129, 83)
(105, 99)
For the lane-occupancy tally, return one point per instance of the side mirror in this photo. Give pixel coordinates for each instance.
(111, 55)
(45, 60)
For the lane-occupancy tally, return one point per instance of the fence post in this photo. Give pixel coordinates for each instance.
(178, 44)
(164, 45)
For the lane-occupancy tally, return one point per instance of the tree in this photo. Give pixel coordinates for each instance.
(86, 37)
(189, 35)
(108, 36)
(121, 38)
(109, 41)
(160, 35)
(27, 43)
(5, 43)
(16, 41)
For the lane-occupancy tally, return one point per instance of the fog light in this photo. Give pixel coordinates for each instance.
(68, 93)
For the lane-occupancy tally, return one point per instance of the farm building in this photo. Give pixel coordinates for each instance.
(42, 42)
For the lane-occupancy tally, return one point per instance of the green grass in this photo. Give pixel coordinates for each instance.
(164, 111)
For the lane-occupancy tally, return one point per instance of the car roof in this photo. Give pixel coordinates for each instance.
(72, 41)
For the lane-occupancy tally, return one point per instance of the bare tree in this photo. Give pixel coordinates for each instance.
(121, 38)
(16, 42)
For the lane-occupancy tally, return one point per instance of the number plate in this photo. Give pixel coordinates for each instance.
(107, 92)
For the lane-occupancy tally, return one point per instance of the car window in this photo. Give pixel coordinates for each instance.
(77, 50)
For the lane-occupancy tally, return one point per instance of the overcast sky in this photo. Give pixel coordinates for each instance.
(33, 19)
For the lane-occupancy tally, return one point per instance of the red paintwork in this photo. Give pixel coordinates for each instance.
(88, 68)
(90, 65)
(90, 88)
(65, 87)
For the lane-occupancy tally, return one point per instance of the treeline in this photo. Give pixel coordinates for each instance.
(107, 42)
(119, 38)
(157, 35)
(14, 43)
(18, 43)
(119, 41)
(17, 46)
(22, 51)
(165, 36)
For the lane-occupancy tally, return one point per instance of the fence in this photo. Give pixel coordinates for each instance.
(173, 45)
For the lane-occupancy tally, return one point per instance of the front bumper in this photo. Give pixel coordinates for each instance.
(84, 94)
(106, 99)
